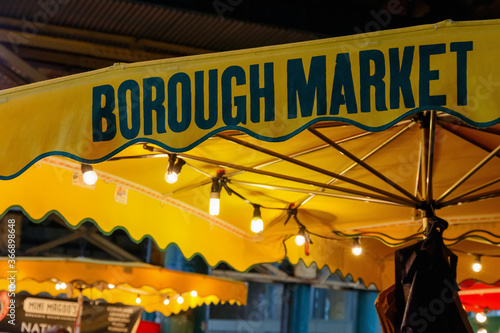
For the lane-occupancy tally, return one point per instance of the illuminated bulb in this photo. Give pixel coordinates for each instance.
(171, 177)
(138, 299)
(257, 223)
(215, 197)
(480, 317)
(214, 205)
(166, 301)
(300, 239)
(58, 286)
(111, 286)
(180, 300)
(63, 285)
(477, 266)
(89, 175)
(356, 248)
(482, 330)
(173, 169)
(194, 293)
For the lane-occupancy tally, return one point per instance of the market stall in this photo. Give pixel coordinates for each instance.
(341, 141)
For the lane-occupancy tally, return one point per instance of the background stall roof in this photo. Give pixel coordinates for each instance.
(62, 37)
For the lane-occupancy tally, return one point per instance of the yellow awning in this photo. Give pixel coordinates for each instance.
(292, 126)
(128, 281)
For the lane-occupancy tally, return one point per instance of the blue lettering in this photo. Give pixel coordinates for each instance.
(376, 80)
(461, 48)
(156, 104)
(267, 92)
(400, 77)
(305, 90)
(185, 85)
(343, 80)
(135, 108)
(426, 75)
(199, 99)
(240, 102)
(100, 113)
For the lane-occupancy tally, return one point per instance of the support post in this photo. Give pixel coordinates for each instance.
(366, 317)
(193, 320)
(297, 309)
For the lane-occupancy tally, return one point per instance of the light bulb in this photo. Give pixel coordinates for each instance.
(180, 300)
(214, 206)
(166, 301)
(171, 177)
(194, 293)
(300, 240)
(138, 299)
(58, 286)
(481, 317)
(356, 248)
(482, 330)
(173, 169)
(63, 285)
(111, 286)
(90, 177)
(257, 225)
(477, 266)
(215, 197)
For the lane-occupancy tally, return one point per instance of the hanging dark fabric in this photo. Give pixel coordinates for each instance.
(425, 298)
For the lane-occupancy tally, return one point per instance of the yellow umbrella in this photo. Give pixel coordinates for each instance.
(345, 138)
(158, 289)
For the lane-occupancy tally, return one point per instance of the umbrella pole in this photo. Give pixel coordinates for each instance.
(78, 320)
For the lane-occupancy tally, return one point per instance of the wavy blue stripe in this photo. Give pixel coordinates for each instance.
(255, 135)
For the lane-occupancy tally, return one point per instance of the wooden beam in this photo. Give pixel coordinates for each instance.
(110, 248)
(65, 59)
(15, 62)
(127, 41)
(17, 39)
(13, 76)
(56, 242)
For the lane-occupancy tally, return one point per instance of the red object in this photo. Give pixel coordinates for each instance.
(148, 327)
(476, 296)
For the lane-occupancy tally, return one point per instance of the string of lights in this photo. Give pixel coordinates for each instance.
(79, 285)
(303, 235)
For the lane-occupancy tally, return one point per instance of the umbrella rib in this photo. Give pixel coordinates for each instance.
(369, 154)
(430, 157)
(478, 197)
(363, 164)
(315, 192)
(465, 137)
(475, 189)
(295, 179)
(492, 154)
(268, 163)
(317, 169)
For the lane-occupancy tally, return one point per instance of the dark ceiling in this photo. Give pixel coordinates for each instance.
(63, 37)
(337, 18)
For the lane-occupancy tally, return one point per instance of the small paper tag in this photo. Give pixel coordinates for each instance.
(78, 181)
(121, 194)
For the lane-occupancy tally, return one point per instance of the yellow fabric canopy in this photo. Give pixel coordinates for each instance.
(353, 137)
(128, 281)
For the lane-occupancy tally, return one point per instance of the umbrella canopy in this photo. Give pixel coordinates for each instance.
(124, 283)
(338, 139)
(478, 297)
